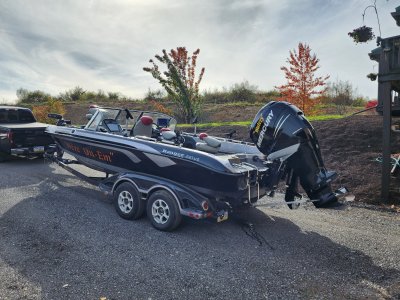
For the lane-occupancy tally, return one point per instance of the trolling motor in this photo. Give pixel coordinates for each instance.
(60, 119)
(281, 132)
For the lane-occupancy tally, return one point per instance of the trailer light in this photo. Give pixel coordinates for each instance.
(204, 205)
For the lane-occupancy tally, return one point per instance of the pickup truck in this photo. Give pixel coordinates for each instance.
(20, 134)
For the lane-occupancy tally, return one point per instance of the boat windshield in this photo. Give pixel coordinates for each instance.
(128, 120)
(159, 119)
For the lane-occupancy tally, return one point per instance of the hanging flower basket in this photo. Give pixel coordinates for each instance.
(362, 34)
(372, 76)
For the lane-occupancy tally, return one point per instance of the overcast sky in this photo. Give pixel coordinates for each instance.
(57, 45)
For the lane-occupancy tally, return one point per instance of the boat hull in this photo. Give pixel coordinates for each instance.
(213, 177)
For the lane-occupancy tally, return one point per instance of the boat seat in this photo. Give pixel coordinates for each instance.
(168, 134)
(206, 148)
(208, 144)
(144, 127)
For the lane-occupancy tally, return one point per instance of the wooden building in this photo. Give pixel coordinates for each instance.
(388, 57)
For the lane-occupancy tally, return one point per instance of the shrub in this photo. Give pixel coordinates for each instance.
(158, 95)
(359, 101)
(371, 103)
(242, 92)
(157, 106)
(25, 96)
(113, 96)
(215, 96)
(52, 106)
(73, 95)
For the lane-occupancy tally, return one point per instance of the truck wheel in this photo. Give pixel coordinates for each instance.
(163, 211)
(127, 201)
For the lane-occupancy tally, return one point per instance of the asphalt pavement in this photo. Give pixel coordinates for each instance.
(60, 238)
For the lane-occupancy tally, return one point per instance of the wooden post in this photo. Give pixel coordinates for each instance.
(385, 98)
(384, 91)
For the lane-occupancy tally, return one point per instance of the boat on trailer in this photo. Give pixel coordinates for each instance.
(151, 165)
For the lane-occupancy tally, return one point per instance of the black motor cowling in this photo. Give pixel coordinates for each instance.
(281, 132)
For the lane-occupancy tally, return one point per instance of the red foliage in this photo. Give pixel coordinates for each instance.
(160, 108)
(371, 103)
(186, 67)
(180, 80)
(302, 88)
(52, 106)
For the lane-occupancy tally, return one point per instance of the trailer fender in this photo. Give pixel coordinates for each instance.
(159, 187)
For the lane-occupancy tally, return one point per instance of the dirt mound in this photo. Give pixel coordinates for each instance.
(350, 147)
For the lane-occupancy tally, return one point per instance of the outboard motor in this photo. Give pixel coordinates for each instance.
(281, 132)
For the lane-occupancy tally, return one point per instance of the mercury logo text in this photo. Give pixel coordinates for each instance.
(264, 129)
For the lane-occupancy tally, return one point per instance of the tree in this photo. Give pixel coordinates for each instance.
(303, 88)
(180, 80)
(73, 95)
(52, 106)
(25, 96)
(342, 94)
(243, 91)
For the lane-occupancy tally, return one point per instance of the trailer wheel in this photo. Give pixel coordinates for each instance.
(127, 201)
(163, 211)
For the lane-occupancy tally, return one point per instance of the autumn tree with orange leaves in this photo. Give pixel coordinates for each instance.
(180, 80)
(303, 88)
(52, 106)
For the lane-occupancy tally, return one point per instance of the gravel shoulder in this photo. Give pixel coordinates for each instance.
(62, 239)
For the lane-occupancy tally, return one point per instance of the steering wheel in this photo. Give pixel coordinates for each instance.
(156, 131)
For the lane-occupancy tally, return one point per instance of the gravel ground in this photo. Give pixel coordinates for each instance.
(62, 239)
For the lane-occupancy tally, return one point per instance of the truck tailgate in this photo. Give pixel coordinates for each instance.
(29, 137)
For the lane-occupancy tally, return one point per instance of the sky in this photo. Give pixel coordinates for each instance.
(55, 46)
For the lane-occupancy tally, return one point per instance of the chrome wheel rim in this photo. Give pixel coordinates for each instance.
(125, 202)
(160, 211)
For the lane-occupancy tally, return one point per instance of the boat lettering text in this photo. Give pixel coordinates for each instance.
(73, 147)
(107, 157)
(192, 157)
(258, 125)
(264, 129)
(99, 155)
(180, 155)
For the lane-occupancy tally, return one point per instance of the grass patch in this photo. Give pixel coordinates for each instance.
(325, 117)
(234, 104)
(217, 124)
(247, 123)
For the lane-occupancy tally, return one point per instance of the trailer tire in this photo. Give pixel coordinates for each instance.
(163, 211)
(127, 201)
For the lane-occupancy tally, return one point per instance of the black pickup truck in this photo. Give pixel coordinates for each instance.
(20, 134)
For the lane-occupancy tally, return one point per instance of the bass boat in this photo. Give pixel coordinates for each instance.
(199, 171)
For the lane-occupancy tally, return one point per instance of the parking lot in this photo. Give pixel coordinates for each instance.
(62, 239)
